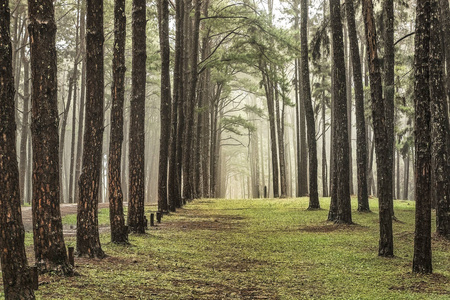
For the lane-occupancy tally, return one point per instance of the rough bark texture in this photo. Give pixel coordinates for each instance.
(382, 142)
(422, 237)
(119, 232)
(439, 129)
(17, 281)
(389, 92)
(174, 192)
(49, 246)
(165, 111)
(88, 239)
(361, 155)
(309, 112)
(341, 166)
(137, 128)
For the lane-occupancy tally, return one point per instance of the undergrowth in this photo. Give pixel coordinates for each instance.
(256, 249)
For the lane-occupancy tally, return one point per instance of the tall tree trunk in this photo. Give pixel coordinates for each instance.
(268, 86)
(309, 112)
(439, 125)
(445, 40)
(361, 155)
(188, 186)
(324, 148)
(136, 153)
(25, 128)
(389, 92)
(49, 246)
(422, 236)
(166, 110)
(82, 106)
(119, 232)
(74, 109)
(88, 239)
(349, 107)
(382, 142)
(62, 138)
(17, 281)
(280, 135)
(174, 182)
(406, 177)
(341, 166)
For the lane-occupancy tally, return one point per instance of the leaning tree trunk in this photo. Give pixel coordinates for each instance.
(49, 246)
(88, 239)
(119, 232)
(361, 157)
(382, 142)
(17, 281)
(309, 112)
(341, 165)
(439, 127)
(136, 153)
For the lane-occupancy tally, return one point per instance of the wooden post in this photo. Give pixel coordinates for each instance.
(158, 216)
(145, 222)
(71, 256)
(35, 277)
(265, 191)
(152, 219)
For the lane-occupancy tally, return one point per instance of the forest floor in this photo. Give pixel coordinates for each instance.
(254, 249)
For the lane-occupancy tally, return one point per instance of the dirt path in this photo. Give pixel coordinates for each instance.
(66, 209)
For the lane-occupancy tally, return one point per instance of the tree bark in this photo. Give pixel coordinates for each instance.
(82, 106)
(88, 239)
(49, 246)
(439, 125)
(422, 237)
(137, 128)
(309, 112)
(382, 142)
(165, 110)
(119, 233)
(389, 92)
(341, 166)
(17, 281)
(268, 86)
(361, 155)
(280, 135)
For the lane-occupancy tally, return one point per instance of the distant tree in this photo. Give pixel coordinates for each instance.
(307, 104)
(341, 159)
(363, 197)
(49, 246)
(166, 101)
(119, 232)
(422, 236)
(17, 281)
(382, 141)
(88, 239)
(137, 128)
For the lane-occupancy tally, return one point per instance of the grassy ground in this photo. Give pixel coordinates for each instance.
(257, 249)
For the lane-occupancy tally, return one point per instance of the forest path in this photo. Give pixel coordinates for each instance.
(66, 209)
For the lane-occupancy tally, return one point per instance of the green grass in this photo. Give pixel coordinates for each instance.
(250, 249)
